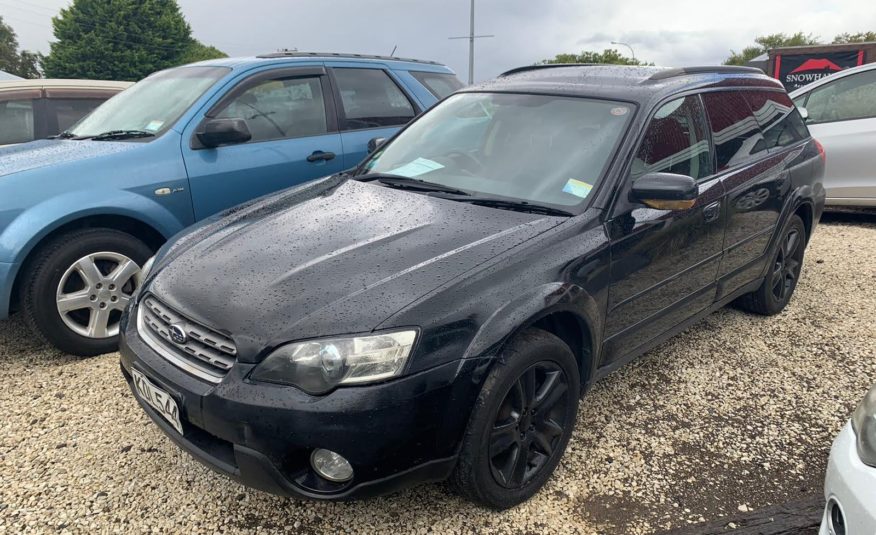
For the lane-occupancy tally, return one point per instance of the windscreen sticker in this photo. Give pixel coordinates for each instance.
(418, 167)
(577, 188)
(154, 126)
(619, 110)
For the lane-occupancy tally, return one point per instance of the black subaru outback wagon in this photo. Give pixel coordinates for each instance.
(438, 312)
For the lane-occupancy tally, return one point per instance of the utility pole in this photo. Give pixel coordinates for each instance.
(471, 40)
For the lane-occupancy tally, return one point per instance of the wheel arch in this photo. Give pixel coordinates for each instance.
(147, 231)
(563, 310)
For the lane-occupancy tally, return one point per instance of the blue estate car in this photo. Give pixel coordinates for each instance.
(82, 213)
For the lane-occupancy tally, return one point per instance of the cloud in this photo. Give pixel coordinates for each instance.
(672, 32)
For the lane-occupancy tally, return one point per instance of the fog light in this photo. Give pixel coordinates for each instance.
(331, 465)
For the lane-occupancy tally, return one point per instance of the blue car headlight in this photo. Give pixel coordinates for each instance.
(318, 366)
(864, 424)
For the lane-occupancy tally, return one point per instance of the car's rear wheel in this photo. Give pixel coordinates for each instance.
(521, 422)
(77, 286)
(778, 286)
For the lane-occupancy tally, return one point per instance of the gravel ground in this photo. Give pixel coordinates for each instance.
(736, 414)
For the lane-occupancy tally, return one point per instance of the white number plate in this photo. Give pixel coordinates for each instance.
(158, 399)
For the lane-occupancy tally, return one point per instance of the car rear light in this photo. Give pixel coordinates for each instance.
(821, 152)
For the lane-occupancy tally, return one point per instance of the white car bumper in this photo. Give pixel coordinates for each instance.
(849, 485)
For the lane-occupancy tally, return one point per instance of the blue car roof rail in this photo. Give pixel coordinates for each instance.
(295, 54)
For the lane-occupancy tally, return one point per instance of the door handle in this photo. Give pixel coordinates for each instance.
(712, 212)
(319, 155)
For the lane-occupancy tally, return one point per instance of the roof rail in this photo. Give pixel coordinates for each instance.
(295, 54)
(540, 66)
(714, 69)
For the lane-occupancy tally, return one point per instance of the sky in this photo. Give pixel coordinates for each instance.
(667, 32)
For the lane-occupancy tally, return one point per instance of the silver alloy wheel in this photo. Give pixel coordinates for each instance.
(92, 289)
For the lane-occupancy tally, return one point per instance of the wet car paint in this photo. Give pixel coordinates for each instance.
(614, 280)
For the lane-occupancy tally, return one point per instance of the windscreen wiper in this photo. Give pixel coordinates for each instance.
(66, 134)
(519, 206)
(403, 182)
(121, 134)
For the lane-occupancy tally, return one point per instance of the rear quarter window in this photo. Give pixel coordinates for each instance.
(439, 84)
(778, 118)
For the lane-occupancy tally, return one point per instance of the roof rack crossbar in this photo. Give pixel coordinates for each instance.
(713, 69)
(295, 54)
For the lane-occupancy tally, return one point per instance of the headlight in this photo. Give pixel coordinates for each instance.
(864, 424)
(318, 366)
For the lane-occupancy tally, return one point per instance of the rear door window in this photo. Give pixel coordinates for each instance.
(439, 84)
(736, 133)
(676, 141)
(851, 97)
(16, 121)
(778, 118)
(371, 99)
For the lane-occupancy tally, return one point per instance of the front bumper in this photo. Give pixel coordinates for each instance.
(394, 434)
(850, 484)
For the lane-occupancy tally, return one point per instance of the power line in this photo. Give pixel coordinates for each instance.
(471, 40)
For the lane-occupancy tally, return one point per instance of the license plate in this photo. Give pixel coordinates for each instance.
(158, 399)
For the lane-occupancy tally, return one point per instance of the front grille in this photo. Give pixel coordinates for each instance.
(203, 352)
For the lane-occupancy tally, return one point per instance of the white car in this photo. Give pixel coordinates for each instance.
(840, 111)
(850, 485)
(36, 109)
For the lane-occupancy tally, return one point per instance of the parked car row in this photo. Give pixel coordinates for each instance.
(441, 299)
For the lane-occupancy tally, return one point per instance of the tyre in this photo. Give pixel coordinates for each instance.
(75, 289)
(521, 422)
(779, 284)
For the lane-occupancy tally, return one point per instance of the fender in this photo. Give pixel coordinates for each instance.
(533, 305)
(23, 234)
(37, 222)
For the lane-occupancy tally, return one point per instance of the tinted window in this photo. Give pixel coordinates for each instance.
(778, 118)
(16, 121)
(438, 84)
(371, 99)
(735, 131)
(277, 109)
(851, 97)
(676, 141)
(68, 111)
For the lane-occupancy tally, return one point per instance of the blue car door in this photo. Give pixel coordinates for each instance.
(372, 103)
(290, 113)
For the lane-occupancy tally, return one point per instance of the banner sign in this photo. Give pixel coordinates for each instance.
(797, 70)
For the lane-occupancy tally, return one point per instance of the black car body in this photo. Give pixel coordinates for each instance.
(610, 279)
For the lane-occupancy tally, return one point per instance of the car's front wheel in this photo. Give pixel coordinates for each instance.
(76, 287)
(521, 422)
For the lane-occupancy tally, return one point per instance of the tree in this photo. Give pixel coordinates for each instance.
(767, 42)
(23, 63)
(198, 51)
(860, 37)
(609, 56)
(121, 40)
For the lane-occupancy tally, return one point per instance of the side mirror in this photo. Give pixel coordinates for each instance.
(665, 191)
(216, 132)
(804, 113)
(375, 143)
